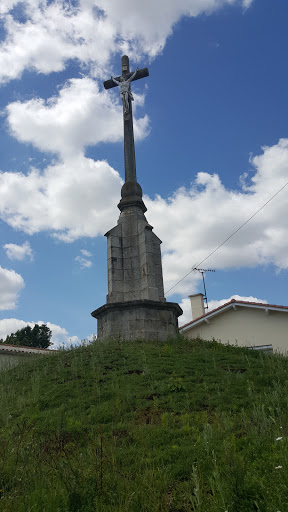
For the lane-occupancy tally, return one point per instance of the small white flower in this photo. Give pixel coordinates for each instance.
(279, 438)
(278, 467)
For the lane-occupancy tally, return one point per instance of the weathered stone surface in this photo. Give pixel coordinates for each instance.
(136, 307)
(138, 319)
(134, 259)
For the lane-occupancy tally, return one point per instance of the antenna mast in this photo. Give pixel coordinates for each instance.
(202, 271)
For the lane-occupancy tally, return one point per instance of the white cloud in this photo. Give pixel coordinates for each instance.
(83, 262)
(196, 220)
(79, 197)
(62, 196)
(90, 338)
(212, 304)
(185, 304)
(80, 115)
(60, 336)
(86, 253)
(7, 5)
(72, 199)
(11, 284)
(247, 3)
(19, 252)
(52, 33)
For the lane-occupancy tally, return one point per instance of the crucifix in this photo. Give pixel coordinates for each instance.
(135, 305)
(124, 82)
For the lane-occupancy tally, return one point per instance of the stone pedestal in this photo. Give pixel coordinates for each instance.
(134, 259)
(136, 307)
(140, 319)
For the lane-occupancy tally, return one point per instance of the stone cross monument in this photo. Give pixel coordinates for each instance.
(136, 307)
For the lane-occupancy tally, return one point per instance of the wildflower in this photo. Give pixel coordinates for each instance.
(278, 467)
(278, 438)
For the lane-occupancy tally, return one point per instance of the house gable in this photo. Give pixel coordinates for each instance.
(11, 355)
(243, 324)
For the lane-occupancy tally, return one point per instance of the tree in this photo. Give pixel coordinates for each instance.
(38, 337)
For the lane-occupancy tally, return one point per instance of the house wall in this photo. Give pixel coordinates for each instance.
(245, 327)
(9, 360)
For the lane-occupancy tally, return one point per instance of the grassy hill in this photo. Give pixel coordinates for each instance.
(177, 426)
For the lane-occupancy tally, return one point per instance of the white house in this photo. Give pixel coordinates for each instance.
(11, 355)
(252, 324)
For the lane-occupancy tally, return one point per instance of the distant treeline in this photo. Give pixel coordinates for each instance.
(38, 337)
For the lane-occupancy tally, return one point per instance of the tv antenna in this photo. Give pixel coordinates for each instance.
(202, 271)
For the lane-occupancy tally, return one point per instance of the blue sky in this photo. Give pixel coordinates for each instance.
(211, 149)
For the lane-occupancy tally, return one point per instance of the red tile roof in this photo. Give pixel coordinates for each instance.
(30, 348)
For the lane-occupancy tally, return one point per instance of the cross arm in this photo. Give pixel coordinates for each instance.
(141, 73)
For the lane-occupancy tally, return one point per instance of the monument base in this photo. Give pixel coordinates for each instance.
(138, 319)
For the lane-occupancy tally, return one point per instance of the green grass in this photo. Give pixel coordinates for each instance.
(134, 426)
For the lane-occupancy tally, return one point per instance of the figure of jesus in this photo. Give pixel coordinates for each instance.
(125, 91)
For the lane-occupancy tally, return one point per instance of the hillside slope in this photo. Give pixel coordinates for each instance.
(134, 426)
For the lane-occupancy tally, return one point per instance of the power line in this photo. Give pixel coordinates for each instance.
(221, 245)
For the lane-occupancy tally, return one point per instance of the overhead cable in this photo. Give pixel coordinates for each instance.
(229, 237)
